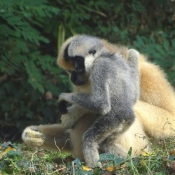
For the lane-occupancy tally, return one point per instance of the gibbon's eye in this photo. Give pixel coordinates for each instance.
(92, 51)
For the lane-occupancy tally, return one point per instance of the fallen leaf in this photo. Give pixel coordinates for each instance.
(146, 154)
(172, 152)
(6, 151)
(9, 149)
(86, 168)
(110, 168)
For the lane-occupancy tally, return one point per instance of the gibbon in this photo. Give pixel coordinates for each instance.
(114, 91)
(155, 113)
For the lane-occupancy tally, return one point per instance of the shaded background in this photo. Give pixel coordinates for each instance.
(31, 33)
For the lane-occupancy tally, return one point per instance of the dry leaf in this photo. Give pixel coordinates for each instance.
(6, 151)
(86, 168)
(172, 152)
(110, 168)
(146, 154)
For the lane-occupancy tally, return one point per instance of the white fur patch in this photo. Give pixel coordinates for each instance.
(89, 60)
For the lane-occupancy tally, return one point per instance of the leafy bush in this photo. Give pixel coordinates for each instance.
(30, 79)
(31, 33)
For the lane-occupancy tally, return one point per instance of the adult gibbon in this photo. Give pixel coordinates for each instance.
(155, 112)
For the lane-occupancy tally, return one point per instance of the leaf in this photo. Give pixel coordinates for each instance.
(106, 156)
(118, 160)
(86, 168)
(166, 45)
(147, 154)
(36, 79)
(110, 168)
(7, 150)
(77, 162)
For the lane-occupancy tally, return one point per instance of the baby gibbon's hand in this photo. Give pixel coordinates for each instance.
(32, 137)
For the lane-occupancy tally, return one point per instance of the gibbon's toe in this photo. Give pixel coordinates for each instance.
(32, 137)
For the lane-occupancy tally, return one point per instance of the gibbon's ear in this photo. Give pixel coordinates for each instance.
(63, 58)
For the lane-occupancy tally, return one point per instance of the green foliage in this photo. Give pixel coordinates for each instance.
(17, 159)
(27, 74)
(31, 33)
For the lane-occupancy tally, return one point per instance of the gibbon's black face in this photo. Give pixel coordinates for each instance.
(77, 76)
(78, 79)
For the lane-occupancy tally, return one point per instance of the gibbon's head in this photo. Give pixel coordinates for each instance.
(78, 53)
(77, 56)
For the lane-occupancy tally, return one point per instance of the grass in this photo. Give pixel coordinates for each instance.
(17, 159)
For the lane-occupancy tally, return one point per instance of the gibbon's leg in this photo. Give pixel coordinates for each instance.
(156, 108)
(77, 132)
(47, 136)
(157, 122)
(101, 129)
(134, 138)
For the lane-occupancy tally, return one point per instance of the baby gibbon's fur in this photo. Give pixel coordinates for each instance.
(155, 114)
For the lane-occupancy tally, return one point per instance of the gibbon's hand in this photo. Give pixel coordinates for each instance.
(62, 107)
(33, 137)
(66, 97)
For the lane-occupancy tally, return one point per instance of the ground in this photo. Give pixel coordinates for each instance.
(18, 159)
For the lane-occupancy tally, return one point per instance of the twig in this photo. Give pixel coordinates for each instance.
(65, 143)
(31, 163)
(58, 149)
(73, 169)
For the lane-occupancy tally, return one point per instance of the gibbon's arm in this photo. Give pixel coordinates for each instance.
(53, 136)
(99, 100)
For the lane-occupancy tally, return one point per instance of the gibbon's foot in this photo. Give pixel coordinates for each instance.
(32, 137)
(91, 154)
(91, 159)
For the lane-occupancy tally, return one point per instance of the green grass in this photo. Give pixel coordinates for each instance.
(17, 159)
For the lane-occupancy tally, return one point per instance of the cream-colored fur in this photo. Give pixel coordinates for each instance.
(155, 113)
